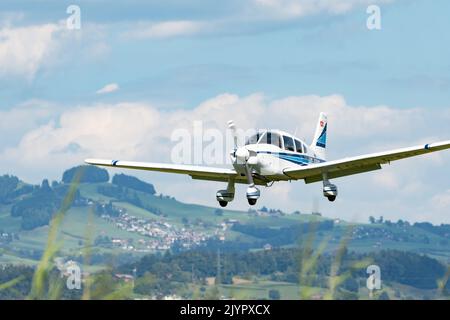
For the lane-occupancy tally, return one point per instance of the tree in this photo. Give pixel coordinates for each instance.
(45, 186)
(371, 220)
(7, 186)
(133, 183)
(87, 174)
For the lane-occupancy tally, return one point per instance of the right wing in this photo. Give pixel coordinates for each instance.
(365, 163)
(196, 172)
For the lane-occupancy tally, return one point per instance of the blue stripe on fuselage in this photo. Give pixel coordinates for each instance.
(295, 158)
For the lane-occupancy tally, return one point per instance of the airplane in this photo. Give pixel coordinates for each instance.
(272, 155)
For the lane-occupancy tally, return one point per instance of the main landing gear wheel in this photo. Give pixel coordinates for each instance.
(223, 204)
(331, 198)
(225, 196)
(252, 202)
(330, 191)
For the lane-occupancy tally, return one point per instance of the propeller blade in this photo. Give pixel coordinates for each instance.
(232, 127)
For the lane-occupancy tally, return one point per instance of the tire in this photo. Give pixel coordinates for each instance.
(331, 198)
(223, 204)
(251, 202)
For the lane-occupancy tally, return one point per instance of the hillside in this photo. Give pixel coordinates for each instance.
(108, 221)
(127, 216)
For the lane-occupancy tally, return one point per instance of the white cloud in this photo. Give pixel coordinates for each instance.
(167, 29)
(441, 201)
(108, 88)
(140, 131)
(24, 49)
(287, 9)
(14, 123)
(247, 16)
(386, 179)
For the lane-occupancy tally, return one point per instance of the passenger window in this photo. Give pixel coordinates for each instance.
(305, 149)
(288, 143)
(298, 146)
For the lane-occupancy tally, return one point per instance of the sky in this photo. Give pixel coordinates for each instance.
(136, 71)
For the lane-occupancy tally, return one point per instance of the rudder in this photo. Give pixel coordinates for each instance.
(319, 143)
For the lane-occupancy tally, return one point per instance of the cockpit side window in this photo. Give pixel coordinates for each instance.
(298, 146)
(288, 143)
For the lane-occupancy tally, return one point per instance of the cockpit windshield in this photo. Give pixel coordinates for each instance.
(265, 137)
(271, 138)
(254, 138)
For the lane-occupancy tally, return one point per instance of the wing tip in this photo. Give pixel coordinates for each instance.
(96, 161)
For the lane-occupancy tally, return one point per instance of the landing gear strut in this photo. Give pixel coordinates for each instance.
(252, 191)
(330, 191)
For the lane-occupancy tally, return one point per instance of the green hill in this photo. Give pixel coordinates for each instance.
(129, 218)
(105, 224)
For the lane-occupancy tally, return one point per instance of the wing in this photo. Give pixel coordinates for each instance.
(196, 172)
(370, 162)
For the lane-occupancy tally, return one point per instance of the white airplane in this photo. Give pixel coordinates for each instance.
(274, 155)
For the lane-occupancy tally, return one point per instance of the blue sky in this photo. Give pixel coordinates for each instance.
(172, 56)
(405, 64)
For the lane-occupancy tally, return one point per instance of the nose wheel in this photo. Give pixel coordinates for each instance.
(223, 204)
(252, 191)
(252, 195)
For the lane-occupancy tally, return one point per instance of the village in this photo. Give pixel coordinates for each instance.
(159, 235)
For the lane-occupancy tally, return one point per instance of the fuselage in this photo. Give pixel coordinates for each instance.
(273, 151)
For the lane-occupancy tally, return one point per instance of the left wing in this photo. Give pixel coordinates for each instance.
(196, 172)
(354, 165)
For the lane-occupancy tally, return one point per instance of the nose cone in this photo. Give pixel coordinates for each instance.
(242, 154)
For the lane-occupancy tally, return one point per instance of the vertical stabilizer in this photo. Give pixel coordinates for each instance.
(319, 142)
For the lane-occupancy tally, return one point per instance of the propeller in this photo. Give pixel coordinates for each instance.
(232, 127)
(247, 158)
(241, 153)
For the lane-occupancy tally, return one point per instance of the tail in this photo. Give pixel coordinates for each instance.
(319, 142)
